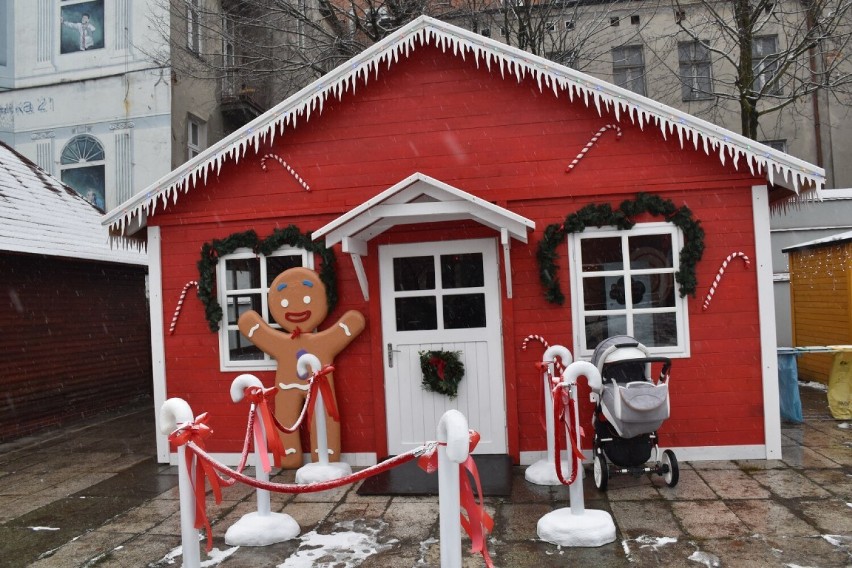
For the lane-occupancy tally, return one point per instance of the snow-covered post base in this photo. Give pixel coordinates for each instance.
(575, 525)
(261, 527)
(173, 413)
(543, 472)
(322, 469)
(454, 440)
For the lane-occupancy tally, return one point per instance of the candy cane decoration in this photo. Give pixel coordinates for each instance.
(721, 273)
(538, 338)
(186, 288)
(284, 164)
(592, 143)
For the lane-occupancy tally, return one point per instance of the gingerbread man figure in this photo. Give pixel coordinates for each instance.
(297, 302)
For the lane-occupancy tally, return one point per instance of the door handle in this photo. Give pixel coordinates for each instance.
(391, 351)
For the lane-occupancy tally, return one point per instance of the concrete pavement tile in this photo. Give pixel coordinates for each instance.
(629, 488)
(96, 544)
(691, 486)
(789, 551)
(801, 457)
(168, 525)
(144, 550)
(734, 484)
(544, 554)
(411, 521)
(770, 518)
(708, 519)
(836, 481)
(21, 505)
(328, 496)
(842, 454)
(354, 511)
(525, 492)
(789, 484)
(518, 521)
(831, 516)
(141, 519)
(709, 464)
(308, 515)
(759, 465)
(640, 518)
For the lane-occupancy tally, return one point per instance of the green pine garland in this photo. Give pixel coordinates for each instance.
(211, 252)
(622, 218)
(453, 372)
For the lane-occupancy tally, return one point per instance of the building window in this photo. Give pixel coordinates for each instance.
(193, 25)
(569, 25)
(680, 16)
(764, 61)
(230, 87)
(196, 136)
(4, 33)
(82, 168)
(634, 20)
(568, 57)
(628, 68)
(81, 26)
(614, 21)
(550, 26)
(623, 283)
(243, 280)
(780, 145)
(694, 68)
(486, 32)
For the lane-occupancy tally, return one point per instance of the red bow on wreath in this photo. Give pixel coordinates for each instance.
(439, 365)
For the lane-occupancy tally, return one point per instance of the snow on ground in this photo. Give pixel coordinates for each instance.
(705, 558)
(814, 385)
(349, 544)
(44, 528)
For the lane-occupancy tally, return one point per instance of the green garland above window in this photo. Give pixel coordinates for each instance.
(211, 252)
(442, 372)
(622, 218)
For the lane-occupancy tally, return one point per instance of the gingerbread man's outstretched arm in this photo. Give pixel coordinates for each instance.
(263, 335)
(344, 332)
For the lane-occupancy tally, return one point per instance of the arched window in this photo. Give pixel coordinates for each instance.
(82, 165)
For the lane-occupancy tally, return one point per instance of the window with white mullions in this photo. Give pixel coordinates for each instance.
(624, 284)
(243, 280)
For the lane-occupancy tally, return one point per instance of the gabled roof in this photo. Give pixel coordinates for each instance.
(777, 167)
(41, 215)
(838, 239)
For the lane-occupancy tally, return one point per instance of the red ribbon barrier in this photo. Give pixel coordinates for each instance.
(259, 398)
(563, 411)
(478, 523)
(193, 434)
(319, 382)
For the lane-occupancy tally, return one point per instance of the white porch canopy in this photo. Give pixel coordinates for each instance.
(419, 199)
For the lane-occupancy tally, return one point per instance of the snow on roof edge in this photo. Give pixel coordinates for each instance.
(803, 178)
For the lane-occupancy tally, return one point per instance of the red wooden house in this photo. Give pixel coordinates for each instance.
(438, 167)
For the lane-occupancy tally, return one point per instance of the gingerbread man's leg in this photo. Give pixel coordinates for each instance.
(288, 406)
(332, 429)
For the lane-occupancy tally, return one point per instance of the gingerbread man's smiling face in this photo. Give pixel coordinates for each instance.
(297, 299)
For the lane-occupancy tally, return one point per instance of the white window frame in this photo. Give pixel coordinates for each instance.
(193, 26)
(578, 313)
(267, 363)
(195, 148)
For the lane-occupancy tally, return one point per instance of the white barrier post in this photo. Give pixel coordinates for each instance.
(543, 472)
(454, 440)
(174, 413)
(576, 526)
(322, 470)
(263, 527)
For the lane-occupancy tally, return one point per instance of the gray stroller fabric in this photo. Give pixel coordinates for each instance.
(635, 408)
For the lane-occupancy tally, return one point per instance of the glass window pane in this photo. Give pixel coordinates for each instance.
(650, 251)
(617, 296)
(656, 291)
(655, 330)
(242, 273)
(237, 305)
(462, 270)
(414, 273)
(275, 265)
(416, 313)
(595, 293)
(464, 311)
(599, 328)
(601, 254)
(241, 349)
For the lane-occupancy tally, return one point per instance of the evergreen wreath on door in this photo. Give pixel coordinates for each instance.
(442, 372)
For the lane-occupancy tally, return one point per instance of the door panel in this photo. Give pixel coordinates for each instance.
(442, 296)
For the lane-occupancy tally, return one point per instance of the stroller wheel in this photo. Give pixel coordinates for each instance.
(601, 471)
(671, 473)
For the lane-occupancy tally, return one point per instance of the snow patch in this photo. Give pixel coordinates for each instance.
(349, 544)
(836, 539)
(705, 558)
(814, 385)
(424, 549)
(44, 528)
(844, 425)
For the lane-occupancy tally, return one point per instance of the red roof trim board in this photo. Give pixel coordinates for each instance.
(777, 167)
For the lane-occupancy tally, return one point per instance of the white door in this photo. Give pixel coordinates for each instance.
(442, 296)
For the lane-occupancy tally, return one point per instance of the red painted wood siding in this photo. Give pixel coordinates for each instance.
(507, 143)
(76, 341)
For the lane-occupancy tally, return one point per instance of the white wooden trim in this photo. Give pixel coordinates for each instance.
(232, 459)
(507, 260)
(158, 348)
(766, 310)
(684, 454)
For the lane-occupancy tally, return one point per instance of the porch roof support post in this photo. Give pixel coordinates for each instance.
(357, 249)
(507, 260)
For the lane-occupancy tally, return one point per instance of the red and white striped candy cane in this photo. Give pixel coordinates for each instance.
(286, 166)
(538, 338)
(721, 273)
(592, 143)
(186, 288)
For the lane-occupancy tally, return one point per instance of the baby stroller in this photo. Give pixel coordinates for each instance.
(630, 409)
